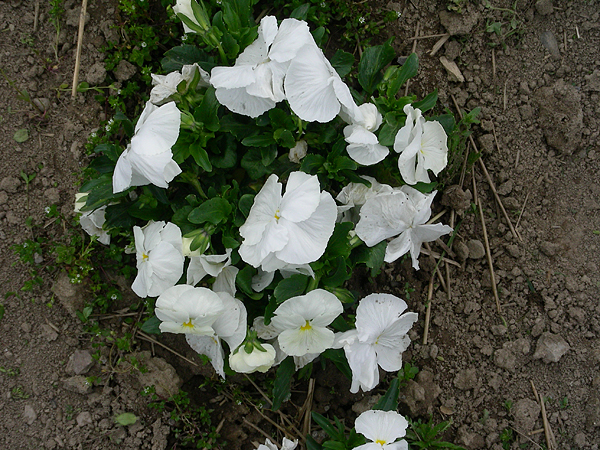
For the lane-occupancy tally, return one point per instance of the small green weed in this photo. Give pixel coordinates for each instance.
(9, 371)
(507, 437)
(425, 435)
(19, 393)
(510, 23)
(456, 5)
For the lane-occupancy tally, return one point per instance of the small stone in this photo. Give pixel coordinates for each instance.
(549, 41)
(470, 440)
(80, 362)
(549, 248)
(3, 197)
(26, 327)
(580, 440)
(513, 250)
(96, 74)
(466, 379)
(487, 143)
(48, 333)
(476, 249)
(538, 328)
(52, 195)
(10, 184)
(124, 70)
(365, 404)
(77, 384)
(525, 412)
(461, 250)
(71, 295)
(83, 419)
(505, 188)
(29, 414)
(159, 374)
(456, 198)
(454, 73)
(550, 348)
(458, 24)
(544, 7)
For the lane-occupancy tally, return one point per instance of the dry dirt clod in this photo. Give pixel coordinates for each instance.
(525, 412)
(476, 249)
(80, 362)
(459, 24)
(550, 43)
(550, 347)
(544, 7)
(77, 384)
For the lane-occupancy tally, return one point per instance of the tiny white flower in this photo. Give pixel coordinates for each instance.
(286, 445)
(256, 361)
(298, 151)
(92, 221)
(159, 258)
(302, 322)
(382, 428)
(149, 159)
(403, 212)
(361, 20)
(363, 145)
(422, 147)
(203, 265)
(144, 45)
(289, 229)
(379, 339)
(188, 310)
(166, 85)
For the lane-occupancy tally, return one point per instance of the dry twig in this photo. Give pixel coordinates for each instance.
(414, 49)
(439, 44)
(428, 311)
(79, 45)
(550, 441)
(145, 337)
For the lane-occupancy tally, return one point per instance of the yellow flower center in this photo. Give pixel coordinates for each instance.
(380, 442)
(277, 216)
(144, 257)
(188, 324)
(306, 326)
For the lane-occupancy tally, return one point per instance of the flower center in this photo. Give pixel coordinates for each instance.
(277, 215)
(188, 324)
(144, 257)
(306, 326)
(380, 442)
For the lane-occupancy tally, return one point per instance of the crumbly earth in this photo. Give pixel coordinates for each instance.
(539, 93)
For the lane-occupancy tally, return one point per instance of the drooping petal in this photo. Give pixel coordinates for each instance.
(434, 149)
(309, 86)
(226, 78)
(292, 35)
(266, 203)
(398, 247)
(209, 346)
(383, 427)
(239, 334)
(383, 216)
(302, 197)
(299, 342)
(375, 313)
(159, 131)
(122, 173)
(390, 358)
(363, 363)
(225, 281)
(239, 101)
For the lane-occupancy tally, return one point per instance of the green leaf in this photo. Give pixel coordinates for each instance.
(301, 12)
(237, 14)
(342, 62)
(127, 124)
(387, 134)
(21, 135)
(372, 257)
(102, 164)
(291, 287)
(447, 121)
(200, 156)
(252, 162)
(312, 163)
(151, 326)
(100, 192)
(260, 140)
(177, 57)
(334, 445)
(268, 155)
(339, 244)
(338, 358)
(118, 217)
(243, 280)
(228, 157)
(372, 61)
(214, 210)
(111, 151)
(126, 419)
(207, 111)
(285, 138)
(389, 401)
(325, 424)
(311, 444)
(338, 275)
(283, 382)
(408, 70)
(427, 103)
(245, 203)
(1, 311)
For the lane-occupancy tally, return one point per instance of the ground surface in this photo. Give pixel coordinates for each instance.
(539, 134)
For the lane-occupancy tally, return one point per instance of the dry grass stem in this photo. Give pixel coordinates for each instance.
(271, 421)
(414, 49)
(259, 390)
(522, 209)
(36, 15)
(145, 337)
(577, 31)
(251, 425)
(438, 256)
(112, 316)
(285, 418)
(428, 311)
(527, 437)
(439, 44)
(437, 270)
(436, 217)
(550, 441)
(534, 432)
(494, 64)
(416, 38)
(504, 97)
(79, 45)
(488, 251)
(307, 407)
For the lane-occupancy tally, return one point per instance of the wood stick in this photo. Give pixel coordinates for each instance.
(416, 38)
(307, 407)
(36, 15)
(550, 442)
(494, 64)
(522, 209)
(428, 311)
(488, 251)
(259, 390)
(144, 336)
(250, 424)
(79, 45)
(439, 44)
(414, 49)
(216, 430)
(438, 256)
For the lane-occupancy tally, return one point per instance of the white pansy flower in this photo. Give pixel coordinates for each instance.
(354, 195)
(230, 326)
(404, 212)
(159, 258)
(287, 444)
(166, 85)
(256, 361)
(314, 90)
(292, 228)
(255, 83)
(302, 322)
(363, 145)
(92, 221)
(203, 265)
(148, 159)
(185, 7)
(379, 339)
(186, 309)
(422, 146)
(382, 428)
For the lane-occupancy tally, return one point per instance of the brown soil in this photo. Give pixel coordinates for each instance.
(539, 130)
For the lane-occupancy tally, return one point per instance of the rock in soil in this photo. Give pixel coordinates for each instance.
(550, 347)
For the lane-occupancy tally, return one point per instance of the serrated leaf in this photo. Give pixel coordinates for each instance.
(291, 287)
(372, 61)
(21, 135)
(283, 382)
(151, 326)
(214, 210)
(126, 419)
(389, 401)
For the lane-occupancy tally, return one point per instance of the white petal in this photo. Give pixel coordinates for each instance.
(385, 426)
(375, 313)
(239, 101)
(298, 342)
(292, 35)
(239, 334)
(367, 154)
(381, 217)
(209, 346)
(262, 279)
(301, 198)
(158, 132)
(122, 173)
(308, 239)
(309, 86)
(239, 76)
(363, 362)
(266, 203)
(434, 149)
(228, 322)
(390, 358)
(225, 281)
(398, 247)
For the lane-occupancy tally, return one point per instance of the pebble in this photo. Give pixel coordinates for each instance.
(466, 379)
(525, 413)
(549, 248)
(80, 362)
(29, 414)
(550, 347)
(10, 184)
(544, 7)
(48, 333)
(3, 197)
(549, 42)
(476, 249)
(77, 384)
(83, 419)
(26, 327)
(52, 195)
(461, 250)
